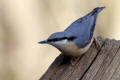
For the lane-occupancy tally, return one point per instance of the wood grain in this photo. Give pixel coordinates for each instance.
(95, 64)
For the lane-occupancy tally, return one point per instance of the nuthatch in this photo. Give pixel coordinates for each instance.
(78, 37)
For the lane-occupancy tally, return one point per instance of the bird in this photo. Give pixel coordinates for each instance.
(77, 38)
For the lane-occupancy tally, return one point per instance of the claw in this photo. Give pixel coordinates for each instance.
(97, 43)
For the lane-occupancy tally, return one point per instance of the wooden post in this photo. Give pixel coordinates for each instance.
(102, 64)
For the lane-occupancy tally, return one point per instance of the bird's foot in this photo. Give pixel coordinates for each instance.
(73, 60)
(97, 43)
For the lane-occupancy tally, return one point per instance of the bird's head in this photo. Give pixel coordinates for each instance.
(58, 39)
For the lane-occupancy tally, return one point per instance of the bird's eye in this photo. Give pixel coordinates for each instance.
(56, 39)
(52, 40)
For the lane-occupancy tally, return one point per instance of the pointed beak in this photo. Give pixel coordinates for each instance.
(43, 42)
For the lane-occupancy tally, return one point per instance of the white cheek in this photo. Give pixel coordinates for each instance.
(61, 42)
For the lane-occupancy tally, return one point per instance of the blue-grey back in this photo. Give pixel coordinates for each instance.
(83, 28)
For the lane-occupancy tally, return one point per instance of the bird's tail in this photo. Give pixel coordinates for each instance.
(96, 10)
(92, 16)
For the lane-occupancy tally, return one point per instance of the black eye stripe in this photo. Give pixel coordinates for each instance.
(71, 38)
(59, 39)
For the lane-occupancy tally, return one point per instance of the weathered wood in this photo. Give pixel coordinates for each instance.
(102, 64)
(102, 61)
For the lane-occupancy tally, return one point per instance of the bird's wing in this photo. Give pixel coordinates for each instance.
(84, 27)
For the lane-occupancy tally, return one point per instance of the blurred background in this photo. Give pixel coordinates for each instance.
(23, 23)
